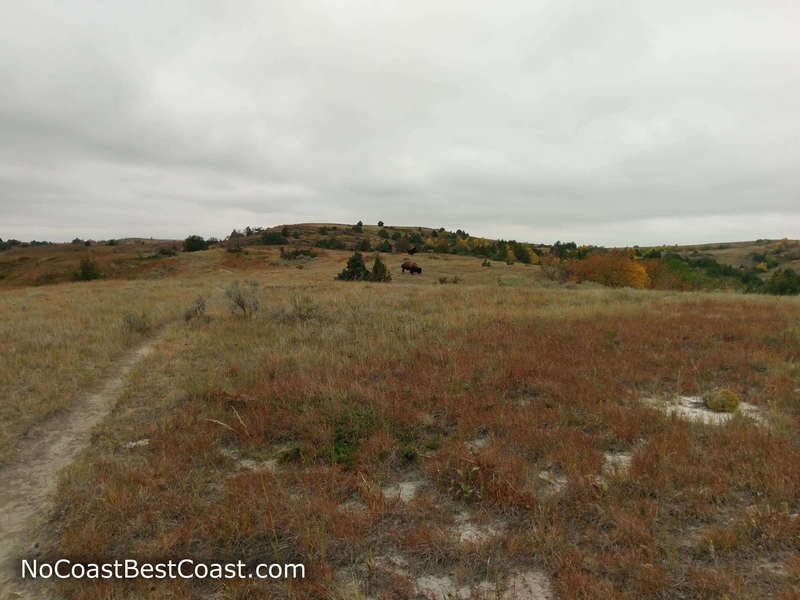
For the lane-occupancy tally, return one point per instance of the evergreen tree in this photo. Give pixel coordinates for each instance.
(355, 270)
(379, 270)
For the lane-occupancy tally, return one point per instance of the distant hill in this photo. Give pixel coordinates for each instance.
(731, 265)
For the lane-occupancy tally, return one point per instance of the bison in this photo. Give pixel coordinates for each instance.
(412, 250)
(411, 266)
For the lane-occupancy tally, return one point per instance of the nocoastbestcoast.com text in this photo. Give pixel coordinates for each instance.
(171, 569)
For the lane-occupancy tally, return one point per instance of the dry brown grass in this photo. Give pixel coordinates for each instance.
(382, 383)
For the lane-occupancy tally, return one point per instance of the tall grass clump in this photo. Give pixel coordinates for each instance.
(304, 307)
(136, 323)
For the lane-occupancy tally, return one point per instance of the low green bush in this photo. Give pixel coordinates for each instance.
(723, 400)
(87, 270)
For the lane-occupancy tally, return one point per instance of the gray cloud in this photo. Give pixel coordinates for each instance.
(647, 122)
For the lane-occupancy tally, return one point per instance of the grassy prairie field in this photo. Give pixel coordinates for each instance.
(498, 437)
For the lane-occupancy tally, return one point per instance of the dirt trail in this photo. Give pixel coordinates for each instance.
(29, 480)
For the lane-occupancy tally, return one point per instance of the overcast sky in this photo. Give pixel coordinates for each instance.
(617, 123)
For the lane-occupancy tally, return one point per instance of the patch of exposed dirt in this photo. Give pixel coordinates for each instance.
(692, 408)
(467, 531)
(404, 491)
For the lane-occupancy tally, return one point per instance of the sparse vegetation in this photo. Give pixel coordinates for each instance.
(136, 322)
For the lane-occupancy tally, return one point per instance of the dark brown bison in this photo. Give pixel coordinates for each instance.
(411, 266)
(412, 250)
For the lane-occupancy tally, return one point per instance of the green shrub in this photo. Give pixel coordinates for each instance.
(384, 246)
(351, 426)
(273, 238)
(87, 270)
(331, 243)
(193, 243)
(722, 400)
(784, 282)
(380, 272)
(355, 270)
(294, 254)
(363, 246)
(383, 233)
(486, 263)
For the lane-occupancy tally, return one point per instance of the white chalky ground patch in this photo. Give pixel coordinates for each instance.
(248, 464)
(526, 585)
(353, 506)
(435, 587)
(529, 585)
(477, 444)
(555, 484)
(617, 462)
(405, 491)
(468, 532)
(693, 409)
(136, 444)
